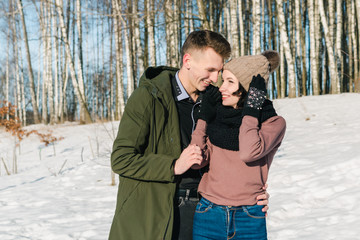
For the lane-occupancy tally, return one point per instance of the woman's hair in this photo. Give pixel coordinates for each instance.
(241, 92)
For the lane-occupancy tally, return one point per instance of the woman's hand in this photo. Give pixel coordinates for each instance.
(263, 199)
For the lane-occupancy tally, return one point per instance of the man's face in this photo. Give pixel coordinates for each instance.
(204, 67)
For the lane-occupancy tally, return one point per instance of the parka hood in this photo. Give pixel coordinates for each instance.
(157, 79)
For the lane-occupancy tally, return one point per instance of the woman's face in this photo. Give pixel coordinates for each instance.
(229, 86)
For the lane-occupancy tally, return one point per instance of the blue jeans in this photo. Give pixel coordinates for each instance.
(217, 222)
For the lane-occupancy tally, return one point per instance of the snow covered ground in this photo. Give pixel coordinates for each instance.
(65, 192)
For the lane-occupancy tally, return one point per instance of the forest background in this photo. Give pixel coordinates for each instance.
(76, 60)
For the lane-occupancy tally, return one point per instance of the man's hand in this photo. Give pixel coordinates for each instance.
(263, 199)
(189, 156)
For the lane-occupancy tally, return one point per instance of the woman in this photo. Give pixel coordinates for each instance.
(239, 139)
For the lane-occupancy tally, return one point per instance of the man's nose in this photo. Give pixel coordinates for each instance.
(214, 77)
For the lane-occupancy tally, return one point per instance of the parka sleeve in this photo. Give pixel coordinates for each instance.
(128, 158)
(256, 142)
(200, 138)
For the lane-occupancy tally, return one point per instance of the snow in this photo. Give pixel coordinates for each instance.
(64, 191)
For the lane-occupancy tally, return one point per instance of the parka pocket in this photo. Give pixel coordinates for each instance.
(125, 193)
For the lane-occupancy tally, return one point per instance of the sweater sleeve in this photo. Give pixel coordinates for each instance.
(128, 158)
(255, 142)
(200, 139)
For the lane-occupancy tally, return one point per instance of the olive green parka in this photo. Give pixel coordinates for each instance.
(144, 152)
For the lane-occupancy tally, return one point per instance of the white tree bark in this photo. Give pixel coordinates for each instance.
(30, 70)
(203, 14)
(49, 62)
(234, 29)
(139, 49)
(227, 20)
(313, 57)
(16, 69)
(287, 50)
(241, 28)
(76, 83)
(256, 27)
(43, 27)
(151, 31)
(331, 17)
(355, 46)
(335, 86)
(339, 24)
(318, 41)
(357, 81)
(56, 69)
(120, 103)
(7, 70)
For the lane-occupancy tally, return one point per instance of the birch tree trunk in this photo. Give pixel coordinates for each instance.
(120, 103)
(151, 31)
(287, 50)
(234, 29)
(79, 59)
(256, 27)
(202, 14)
(241, 28)
(22, 88)
(357, 80)
(335, 86)
(350, 61)
(318, 41)
(7, 70)
(331, 17)
(282, 83)
(339, 24)
(129, 60)
(43, 26)
(298, 54)
(313, 62)
(77, 85)
(30, 70)
(56, 69)
(355, 46)
(49, 62)
(17, 90)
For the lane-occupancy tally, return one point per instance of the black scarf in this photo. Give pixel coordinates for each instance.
(223, 131)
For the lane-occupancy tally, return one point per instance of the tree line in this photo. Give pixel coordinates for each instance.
(80, 60)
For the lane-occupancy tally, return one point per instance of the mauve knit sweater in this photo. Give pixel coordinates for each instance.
(236, 178)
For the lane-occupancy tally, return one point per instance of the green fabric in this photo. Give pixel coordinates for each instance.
(147, 144)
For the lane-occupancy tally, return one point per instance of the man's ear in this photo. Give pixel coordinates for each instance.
(186, 60)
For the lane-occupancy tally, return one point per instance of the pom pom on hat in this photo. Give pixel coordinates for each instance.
(273, 58)
(245, 67)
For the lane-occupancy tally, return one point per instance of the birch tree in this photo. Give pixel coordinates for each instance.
(339, 23)
(151, 31)
(29, 64)
(202, 14)
(287, 50)
(357, 80)
(335, 86)
(234, 29)
(241, 28)
(313, 62)
(120, 103)
(76, 82)
(256, 27)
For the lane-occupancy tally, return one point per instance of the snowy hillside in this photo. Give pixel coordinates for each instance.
(64, 192)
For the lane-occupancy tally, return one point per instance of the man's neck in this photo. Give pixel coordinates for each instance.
(185, 81)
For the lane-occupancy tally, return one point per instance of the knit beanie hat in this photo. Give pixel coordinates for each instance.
(245, 67)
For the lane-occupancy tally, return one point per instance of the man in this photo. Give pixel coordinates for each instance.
(157, 189)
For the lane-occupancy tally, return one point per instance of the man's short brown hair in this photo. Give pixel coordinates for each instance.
(202, 39)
